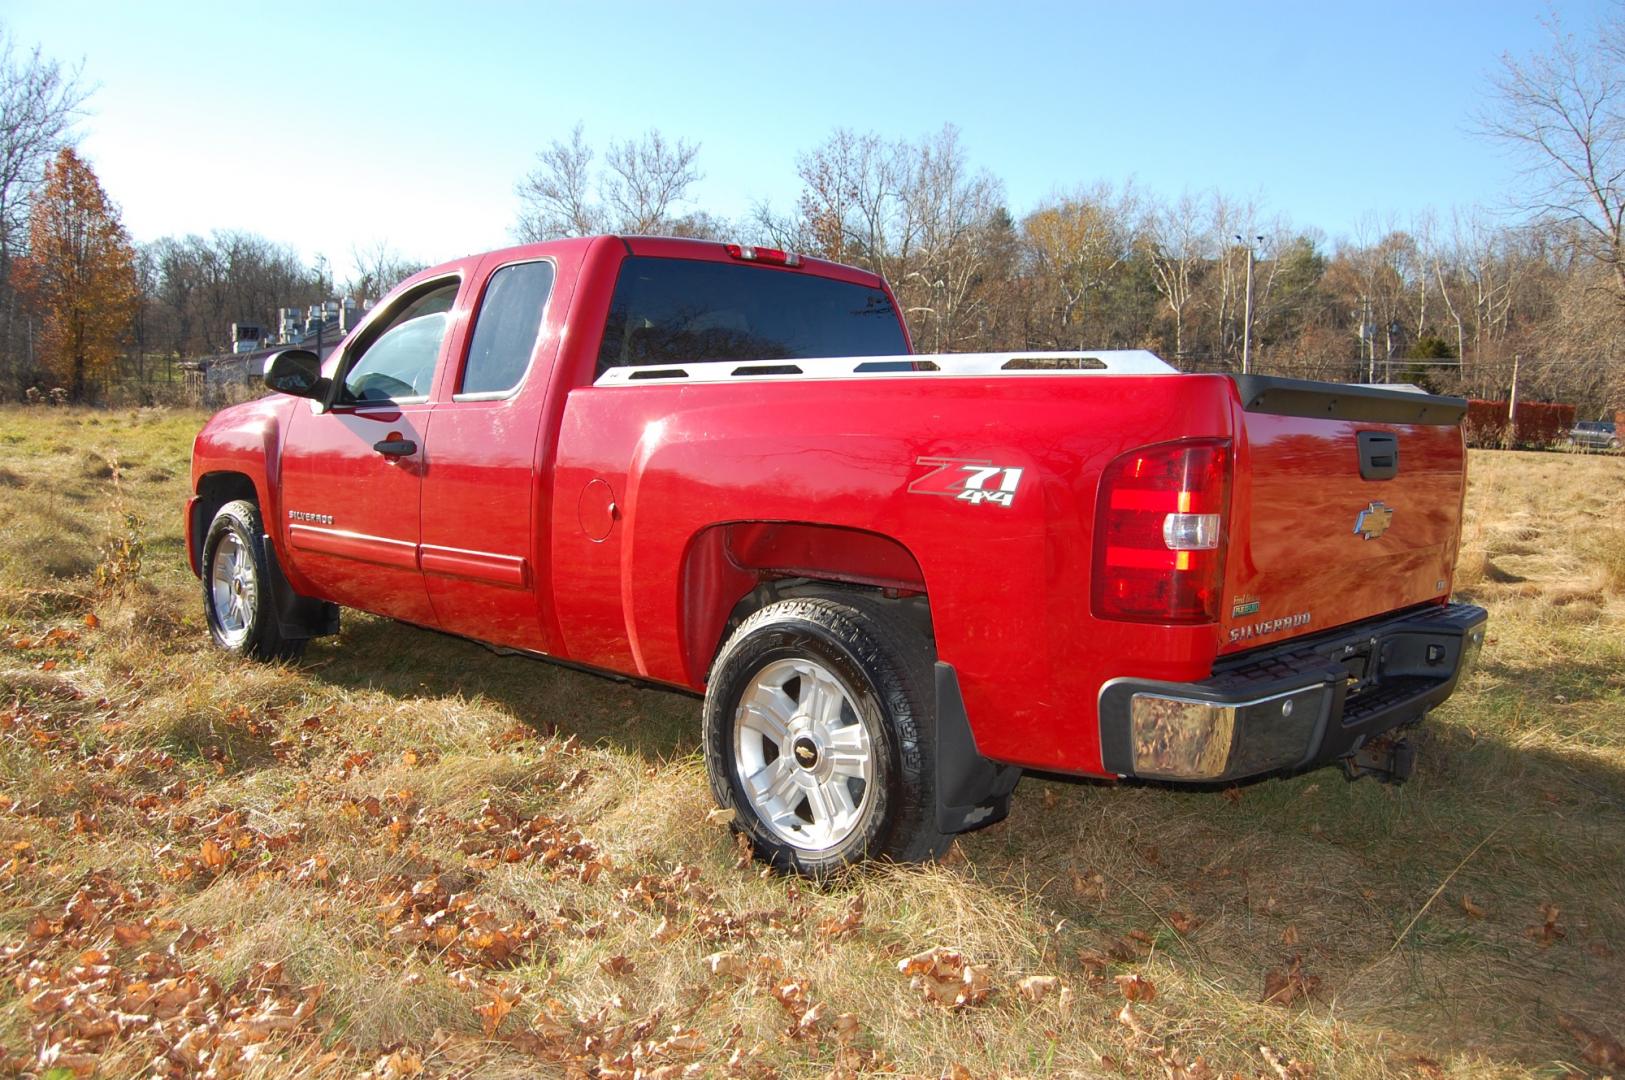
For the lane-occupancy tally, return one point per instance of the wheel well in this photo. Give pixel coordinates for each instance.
(733, 570)
(215, 490)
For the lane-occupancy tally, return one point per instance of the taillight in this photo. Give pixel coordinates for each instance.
(763, 254)
(1159, 533)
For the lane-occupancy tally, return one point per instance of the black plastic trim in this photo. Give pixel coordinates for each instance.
(972, 791)
(297, 616)
(1346, 401)
(1379, 455)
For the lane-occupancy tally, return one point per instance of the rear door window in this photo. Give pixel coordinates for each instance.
(510, 317)
(671, 311)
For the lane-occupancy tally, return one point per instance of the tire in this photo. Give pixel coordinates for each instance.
(237, 599)
(841, 693)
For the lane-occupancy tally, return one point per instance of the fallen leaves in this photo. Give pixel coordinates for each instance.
(849, 921)
(1596, 1047)
(944, 976)
(1283, 986)
(1547, 932)
(1136, 987)
(1036, 988)
(1472, 910)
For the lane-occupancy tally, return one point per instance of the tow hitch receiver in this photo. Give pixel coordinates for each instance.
(1388, 758)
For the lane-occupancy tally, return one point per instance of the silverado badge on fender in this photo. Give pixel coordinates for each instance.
(1374, 521)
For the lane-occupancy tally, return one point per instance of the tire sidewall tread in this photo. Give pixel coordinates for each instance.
(888, 662)
(264, 640)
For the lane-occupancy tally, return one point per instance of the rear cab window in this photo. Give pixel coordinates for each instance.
(672, 311)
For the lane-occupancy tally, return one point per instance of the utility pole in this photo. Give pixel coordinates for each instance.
(1247, 318)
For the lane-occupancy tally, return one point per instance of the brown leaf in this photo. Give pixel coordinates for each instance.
(91, 620)
(811, 1020)
(399, 1065)
(1472, 909)
(1290, 935)
(1548, 932)
(850, 920)
(727, 965)
(846, 1027)
(1036, 988)
(1136, 987)
(1284, 986)
(214, 856)
(616, 965)
(1131, 1019)
(791, 995)
(1122, 950)
(1286, 1070)
(1183, 922)
(1596, 1047)
(1232, 795)
(1095, 963)
(129, 934)
(494, 1011)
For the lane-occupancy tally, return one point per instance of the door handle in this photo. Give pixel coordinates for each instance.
(395, 447)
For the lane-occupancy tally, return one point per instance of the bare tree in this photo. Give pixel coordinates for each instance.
(1563, 113)
(379, 268)
(556, 197)
(643, 183)
(1178, 247)
(39, 104)
(645, 180)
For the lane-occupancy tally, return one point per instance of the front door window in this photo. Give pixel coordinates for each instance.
(397, 359)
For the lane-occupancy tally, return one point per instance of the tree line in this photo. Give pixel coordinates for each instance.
(1456, 301)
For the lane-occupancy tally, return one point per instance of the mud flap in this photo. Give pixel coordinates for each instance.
(297, 616)
(971, 790)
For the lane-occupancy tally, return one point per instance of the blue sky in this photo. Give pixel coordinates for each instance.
(336, 125)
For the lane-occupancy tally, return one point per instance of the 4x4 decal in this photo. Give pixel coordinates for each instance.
(975, 482)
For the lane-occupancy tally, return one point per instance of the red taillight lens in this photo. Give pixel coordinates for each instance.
(763, 254)
(1159, 533)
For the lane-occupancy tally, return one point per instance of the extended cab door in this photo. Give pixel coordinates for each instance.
(352, 475)
(481, 556)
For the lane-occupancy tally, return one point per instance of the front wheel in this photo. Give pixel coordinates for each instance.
(237, 598)
(818, 734)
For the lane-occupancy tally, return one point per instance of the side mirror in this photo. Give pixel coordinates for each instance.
(297, 372)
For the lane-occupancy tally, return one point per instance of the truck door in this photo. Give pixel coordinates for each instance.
(352, 476)
(480, 553)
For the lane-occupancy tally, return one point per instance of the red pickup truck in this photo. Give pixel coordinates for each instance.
(899, 580)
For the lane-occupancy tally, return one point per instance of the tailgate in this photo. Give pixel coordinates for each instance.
(1347, 505)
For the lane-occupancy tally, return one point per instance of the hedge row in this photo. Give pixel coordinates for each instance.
(1539, 423)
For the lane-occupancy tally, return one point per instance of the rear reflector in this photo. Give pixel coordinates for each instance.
(763, 255)
(1159, 533)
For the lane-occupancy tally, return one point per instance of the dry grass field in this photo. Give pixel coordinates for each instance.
(405, 855)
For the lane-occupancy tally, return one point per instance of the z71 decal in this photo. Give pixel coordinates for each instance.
(975, 482)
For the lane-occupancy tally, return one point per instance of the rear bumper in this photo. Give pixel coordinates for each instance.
(1292, 706)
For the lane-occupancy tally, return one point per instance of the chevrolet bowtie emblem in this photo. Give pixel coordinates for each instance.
(1374, 521)
(805, 755)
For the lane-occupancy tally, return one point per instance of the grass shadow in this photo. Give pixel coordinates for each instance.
(373, 653)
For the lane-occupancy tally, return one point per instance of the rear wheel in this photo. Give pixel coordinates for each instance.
(818, 723)
(237, 599)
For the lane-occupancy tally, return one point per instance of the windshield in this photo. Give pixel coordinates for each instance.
(669, 311)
